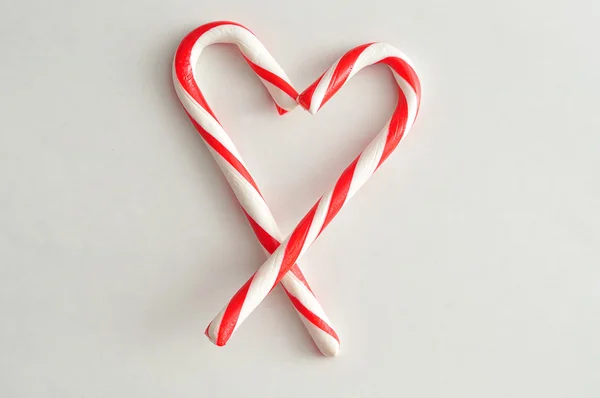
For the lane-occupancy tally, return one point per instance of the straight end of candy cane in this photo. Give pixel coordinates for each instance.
(212, 333)
(312, 316)
(324, 337)
(330, 348)
(304, 100)
(221, 328)
(208, 334)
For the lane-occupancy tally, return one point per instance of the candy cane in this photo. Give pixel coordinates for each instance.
(231, 163)
(355, 175)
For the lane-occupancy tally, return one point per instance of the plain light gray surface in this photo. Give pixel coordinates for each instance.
(467, 267)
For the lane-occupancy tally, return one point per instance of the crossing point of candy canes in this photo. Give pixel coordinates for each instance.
(282, 261)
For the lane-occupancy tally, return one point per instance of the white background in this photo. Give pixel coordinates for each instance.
(467, 267)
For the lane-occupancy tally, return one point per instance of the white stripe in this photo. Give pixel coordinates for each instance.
(262, 283)
(279, 96)
(375, 53)
(321, 89)
(247, 195)
(213, 329)
(317, 222)
(304, 295)
(205, 119)
(368, 161)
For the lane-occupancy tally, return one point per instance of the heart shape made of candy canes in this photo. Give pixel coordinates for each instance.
(281, 264)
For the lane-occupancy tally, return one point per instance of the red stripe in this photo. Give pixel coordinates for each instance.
(342, 70)
(312, 318)
(306, 97)
(224, 152)
(280, 110)
(397, 127)
(273, 78)
(340, 192)
(298, 274)
(402, 68)
(232, 313)
(295, 243)
(266, 240)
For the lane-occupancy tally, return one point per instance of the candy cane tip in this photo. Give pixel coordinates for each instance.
(215, 340)
(327, 343)
(330, 350)
(304, 102)
(280, 110)
(212, 336)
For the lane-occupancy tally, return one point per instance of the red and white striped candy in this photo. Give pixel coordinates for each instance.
(233, 167)
(355, 175)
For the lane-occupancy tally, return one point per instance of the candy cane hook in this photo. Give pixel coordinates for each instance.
(353, 177)
(233, 167)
